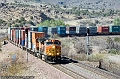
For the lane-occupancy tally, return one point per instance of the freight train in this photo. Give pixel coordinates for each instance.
(76, 30)
(36, 42)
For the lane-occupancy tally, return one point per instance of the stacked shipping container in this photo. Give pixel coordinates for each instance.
(35, 36)
(43, 29)
(23, 37)
(103, 29)
(61, 30)
(114, 29)
(71, 30)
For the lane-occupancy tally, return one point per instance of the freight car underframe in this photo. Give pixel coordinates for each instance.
(38, 54)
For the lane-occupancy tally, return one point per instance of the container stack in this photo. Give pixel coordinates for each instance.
(61, 30)
(71, 30)
(103, 29)
(23, 37)
(34, 29)
(30, 39)
(92, 30)
(82, 30)
(17, 36)
(52, 30)
(43, 29)
(35, 36)
(115, 29)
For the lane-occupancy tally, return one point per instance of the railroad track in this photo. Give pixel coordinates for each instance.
(82, 71)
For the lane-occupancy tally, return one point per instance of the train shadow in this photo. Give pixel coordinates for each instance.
(64, 60)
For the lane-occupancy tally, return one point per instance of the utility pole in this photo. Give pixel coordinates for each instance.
(87, 44)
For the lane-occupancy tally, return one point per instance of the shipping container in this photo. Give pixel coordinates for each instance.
(23, 42)
(52, 30)
(61, 30)
(33, 47)
(36, 35)
(34, 29)
(114, 29)
(20, 41)
(26, 41)
(17, 40)
(17, 34)
(9, 30)
(29, 45)
(71, 30)
(92, 30)
(23, 34)
(42, 29)
(103, 29)
(11, 35)
(82, 30)
(30, 36)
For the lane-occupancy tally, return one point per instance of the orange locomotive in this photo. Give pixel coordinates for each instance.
(49, 49)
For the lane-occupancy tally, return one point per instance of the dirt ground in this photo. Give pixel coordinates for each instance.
(34, 67)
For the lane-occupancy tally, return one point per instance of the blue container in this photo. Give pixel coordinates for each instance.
(114, 29)
(61, 32)
(72, 32)
(42, 29)
(93, 30)
(17, 34)
(30, 36)
(82, 30)
(61, 28)
(23, 42)
(34, 29)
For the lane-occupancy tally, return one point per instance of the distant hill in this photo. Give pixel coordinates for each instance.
(94, 4)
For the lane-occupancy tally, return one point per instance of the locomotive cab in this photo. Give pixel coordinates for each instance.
(53, 49)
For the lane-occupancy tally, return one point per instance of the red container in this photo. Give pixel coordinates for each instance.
(13, 32)
(103, 29)
(23, 34)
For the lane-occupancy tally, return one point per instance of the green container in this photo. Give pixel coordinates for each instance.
(114, 29)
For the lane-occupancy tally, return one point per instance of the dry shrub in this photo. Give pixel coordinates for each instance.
(96, 57)
(16, 67)
(81, 57)
(111, 66)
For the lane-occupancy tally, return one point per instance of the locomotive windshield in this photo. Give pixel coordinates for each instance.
(49, 43)
(57, 43)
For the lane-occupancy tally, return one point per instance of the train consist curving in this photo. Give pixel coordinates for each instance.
(33, 40)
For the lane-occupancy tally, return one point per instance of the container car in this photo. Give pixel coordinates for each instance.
(103, 30)
(71, 30)
(82, 30)
(43, 29)
(114, 29)
(92, 30)
(61, 30)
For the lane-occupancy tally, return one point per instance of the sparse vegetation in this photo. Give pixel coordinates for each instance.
(52, 23)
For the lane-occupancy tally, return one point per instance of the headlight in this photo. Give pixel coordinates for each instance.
(58, 53)
(53, 46)
(49, 53)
